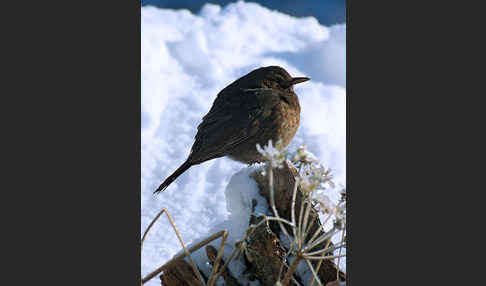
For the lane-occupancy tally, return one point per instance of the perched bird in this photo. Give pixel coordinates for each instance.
(254, 109)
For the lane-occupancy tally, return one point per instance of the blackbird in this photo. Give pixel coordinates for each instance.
(254, 109)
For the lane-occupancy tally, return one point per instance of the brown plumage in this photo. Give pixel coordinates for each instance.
(254, 109)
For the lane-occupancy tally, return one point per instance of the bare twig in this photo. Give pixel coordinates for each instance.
(269, 218)
(304, 226)
(322, 257)
(339, 259)
(328, 249)
(319, 264)
(212, 279)
(182, 255)
(292, 214)
(322, 238)
(150, 226)
(309, 229)
(229, 279)
(317, 271)
(272, 200)
(221, 271)
(299, 226)
(314, 274)
(291, 270)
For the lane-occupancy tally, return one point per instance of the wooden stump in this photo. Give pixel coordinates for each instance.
(264, 253)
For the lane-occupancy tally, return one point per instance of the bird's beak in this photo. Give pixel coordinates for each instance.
(296, 80)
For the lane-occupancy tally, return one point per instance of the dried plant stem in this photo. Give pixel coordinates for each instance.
(328, 249)
(150, 226)
(306, 233)
(320, 240)
(322, 257)
(292, 213)
(299, 226)
(240, 244)
(314, 274)
(304, 226)
(186, 252)
(272, 200)
(227, 262)
(317, 271)
(292, 277)
(316, 233)
(339, 259)
(291, 270)
(212, 280)
(319, 264)
(314, 236)
(269, 218)
(182, 255)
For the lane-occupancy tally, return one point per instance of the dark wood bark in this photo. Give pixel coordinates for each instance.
(265, 255)
(179, 272)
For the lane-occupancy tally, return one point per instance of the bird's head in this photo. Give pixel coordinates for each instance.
(266, 77)
(277, 77)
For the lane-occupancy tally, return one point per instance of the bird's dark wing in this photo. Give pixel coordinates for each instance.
(232, 121)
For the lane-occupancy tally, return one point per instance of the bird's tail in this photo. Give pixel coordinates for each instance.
(172, 177)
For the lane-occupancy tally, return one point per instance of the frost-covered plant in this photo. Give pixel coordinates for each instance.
(274, 155)
(313, 180)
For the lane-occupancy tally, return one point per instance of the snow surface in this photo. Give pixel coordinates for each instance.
(188, 59)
